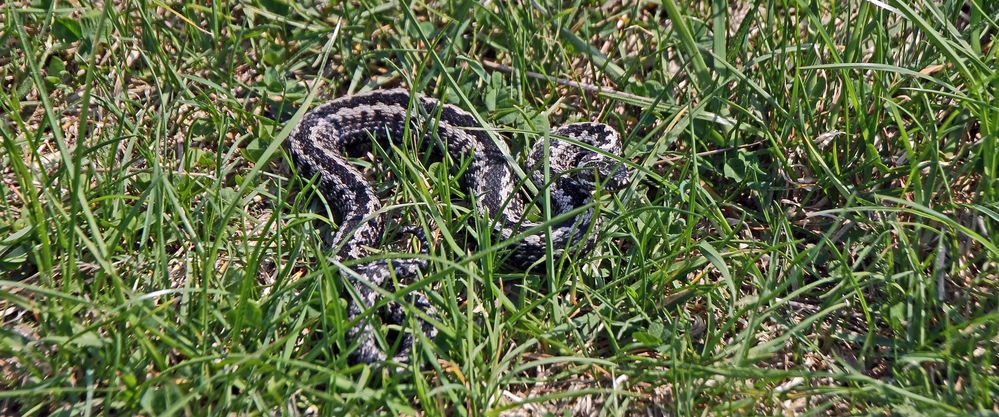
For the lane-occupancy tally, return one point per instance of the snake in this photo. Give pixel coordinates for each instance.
(582, 158)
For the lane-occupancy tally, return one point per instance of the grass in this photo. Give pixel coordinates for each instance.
(811, 229)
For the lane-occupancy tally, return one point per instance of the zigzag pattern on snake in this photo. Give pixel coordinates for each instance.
(322, 141)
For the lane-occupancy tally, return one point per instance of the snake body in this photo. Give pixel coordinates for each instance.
(320, 145)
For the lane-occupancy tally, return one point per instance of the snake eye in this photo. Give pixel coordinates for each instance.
(611, 173)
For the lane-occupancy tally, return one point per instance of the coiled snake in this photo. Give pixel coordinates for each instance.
(319, 146)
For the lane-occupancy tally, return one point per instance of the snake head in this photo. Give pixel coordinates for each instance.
(609, 172)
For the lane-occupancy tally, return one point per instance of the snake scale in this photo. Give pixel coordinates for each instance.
(322, 141)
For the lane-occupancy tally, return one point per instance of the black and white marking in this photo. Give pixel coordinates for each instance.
(319, 145)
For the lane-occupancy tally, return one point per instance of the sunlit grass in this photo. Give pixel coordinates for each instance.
(810, 230)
